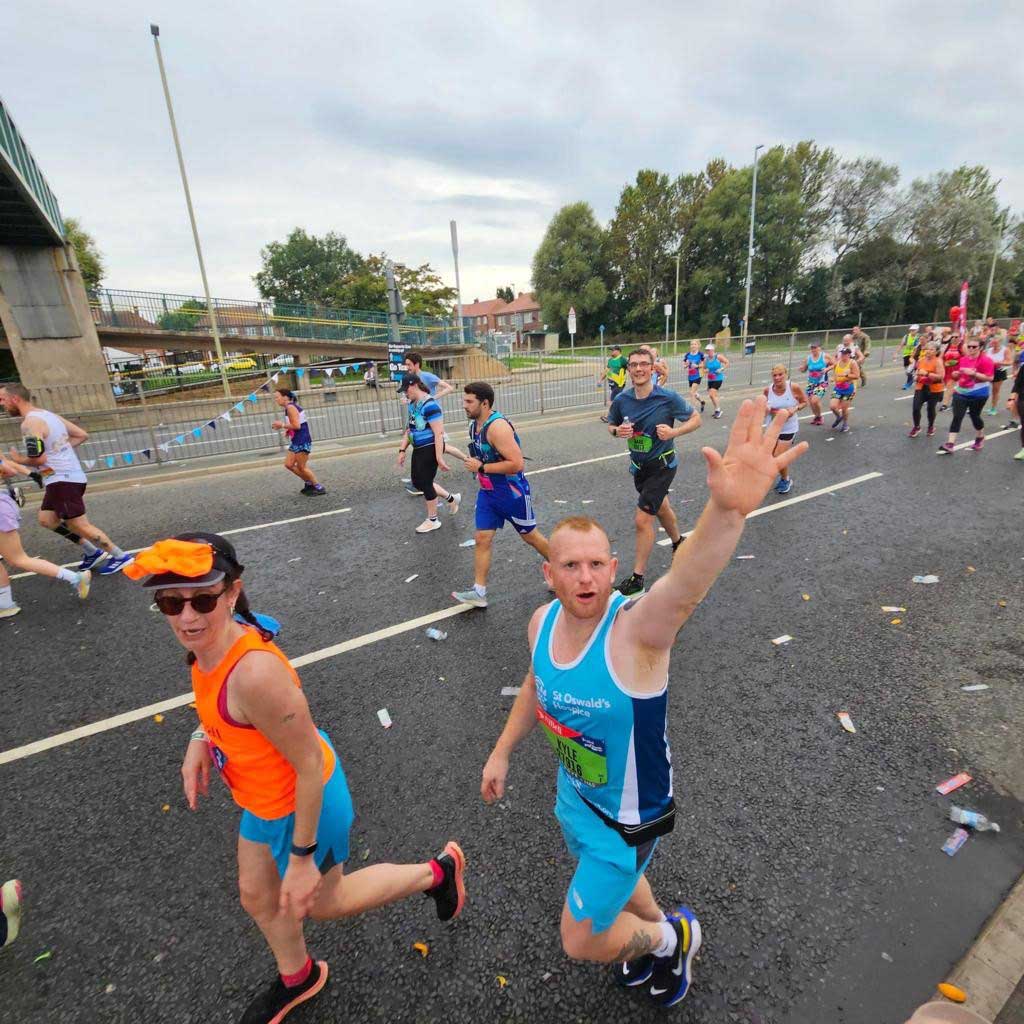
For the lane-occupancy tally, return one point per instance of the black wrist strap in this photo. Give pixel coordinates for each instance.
(303, 851)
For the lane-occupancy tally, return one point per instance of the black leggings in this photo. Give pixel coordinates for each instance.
(925, 397)
(424, 469)
(967, 407)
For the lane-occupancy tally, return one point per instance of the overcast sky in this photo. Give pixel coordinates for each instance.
(383, 121)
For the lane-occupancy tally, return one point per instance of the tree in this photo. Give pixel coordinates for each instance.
(304, 269)
(569, 267)
(184, 318)
(505, 294)
(423, 291)
(90, 261)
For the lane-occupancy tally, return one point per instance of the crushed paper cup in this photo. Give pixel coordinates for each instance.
(385, 718)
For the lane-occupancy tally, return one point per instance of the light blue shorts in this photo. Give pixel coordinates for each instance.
(336, 817)
(608, 868)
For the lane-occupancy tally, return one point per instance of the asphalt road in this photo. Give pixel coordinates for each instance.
(813, 857)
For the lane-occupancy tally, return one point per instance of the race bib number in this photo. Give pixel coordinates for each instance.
(640, 443)
(582, 757)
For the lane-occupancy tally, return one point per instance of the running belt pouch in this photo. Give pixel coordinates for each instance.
(638, 835)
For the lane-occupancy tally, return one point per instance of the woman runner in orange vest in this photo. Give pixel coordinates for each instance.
(255, 727)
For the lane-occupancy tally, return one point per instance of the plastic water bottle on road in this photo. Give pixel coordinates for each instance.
(436, 634)
(972, 819)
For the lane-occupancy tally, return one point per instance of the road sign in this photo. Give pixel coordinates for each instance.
(572, 320)
(668, 309)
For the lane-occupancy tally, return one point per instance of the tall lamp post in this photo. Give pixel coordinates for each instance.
(675, 321)
(458, 286)
(995, 259)
(210, 312)
(750, 247)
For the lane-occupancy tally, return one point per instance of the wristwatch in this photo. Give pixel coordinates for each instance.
(303, 851)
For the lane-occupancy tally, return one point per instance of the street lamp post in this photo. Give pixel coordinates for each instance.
(668, 313)
(750, 248)
(675, 321)
(210, 312)
(458, 286)
(995, 259)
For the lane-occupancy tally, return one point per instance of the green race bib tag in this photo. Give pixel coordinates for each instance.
(582, 757)
(640, 443)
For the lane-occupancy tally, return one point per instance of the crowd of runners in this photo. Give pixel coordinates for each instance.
(599, 650)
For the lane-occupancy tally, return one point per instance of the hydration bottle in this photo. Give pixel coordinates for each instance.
(972, 819)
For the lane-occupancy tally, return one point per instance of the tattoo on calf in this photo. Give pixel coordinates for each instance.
(288, 718)
(638, 946)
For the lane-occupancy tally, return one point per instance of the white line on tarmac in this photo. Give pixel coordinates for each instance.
(223, 533)
(127, 717)
(988, 437)
(765, 509)
(569, 465)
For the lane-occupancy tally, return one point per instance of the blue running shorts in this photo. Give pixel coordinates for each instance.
(507, 503)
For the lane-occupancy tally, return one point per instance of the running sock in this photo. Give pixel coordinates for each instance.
(669, 940)
(438, 872)
(6, 597)
(481, 591)
(450, 499)
(433, 518)
(296, 979)
(67, 576)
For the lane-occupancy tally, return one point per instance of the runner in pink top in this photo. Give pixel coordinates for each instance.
(973, 378)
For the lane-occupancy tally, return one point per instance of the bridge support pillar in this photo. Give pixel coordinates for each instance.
(44, 310)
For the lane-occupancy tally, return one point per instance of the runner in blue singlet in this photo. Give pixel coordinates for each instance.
(694, 361)
(716, 366)
(816, 366)
(300, 442)
(598, 686)
(496, 457)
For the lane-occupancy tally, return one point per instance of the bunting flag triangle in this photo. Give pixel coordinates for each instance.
(88, 463)
(180, 439)
(329, 371)
(165, 447)
(111, 459)
(300, 371)
(251, 397)
(212, 424)
(148, 452)
(273, 380)
(344, 369)
(197, 431)
(265, 387)
(226, 415)
(128, 458)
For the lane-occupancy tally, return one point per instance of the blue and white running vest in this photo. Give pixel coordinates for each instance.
(613, 745)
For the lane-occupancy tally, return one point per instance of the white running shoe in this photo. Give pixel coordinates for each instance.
(84, 583)
(10, 611)
(470, 597)
(10, 907)
(453, 505)
(429, 526)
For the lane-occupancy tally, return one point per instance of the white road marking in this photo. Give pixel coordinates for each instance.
(127, 717)
(765, 509)
(903, 398)
(988, 437)
(223, 533)
(569, 465)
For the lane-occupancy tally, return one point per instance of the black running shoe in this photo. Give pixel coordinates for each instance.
(273, 1005)
(630, 973)
(631, 586)
(672, 975)
(307, 489)
(450, 894)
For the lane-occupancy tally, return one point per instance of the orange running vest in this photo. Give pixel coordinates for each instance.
(260, 777)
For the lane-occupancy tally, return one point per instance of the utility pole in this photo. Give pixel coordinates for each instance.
(675, 321)
(995, 259)
(210, 312)
(458, 287)
(750, 247)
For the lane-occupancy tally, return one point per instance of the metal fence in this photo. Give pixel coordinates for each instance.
(341, 405)
(265, 319)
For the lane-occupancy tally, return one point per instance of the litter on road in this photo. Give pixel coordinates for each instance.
(414, 576)
(48, 955)
(893, 608)
(806, 597)
(952, 993)
(510, 691)
(895, 622)
(972, 819)
(784, 639)
(925, 579)
(974, 687)
(421, 947)
(845, 721)
(471, 543)
(744, 557)
(954, 842)
(385, 718)
(436, 634)
(560, 501)
(955, 782)
(158, 719)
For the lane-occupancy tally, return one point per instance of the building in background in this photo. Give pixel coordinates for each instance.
(520, 316)
(483, 314)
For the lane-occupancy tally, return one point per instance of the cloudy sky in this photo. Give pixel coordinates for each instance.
(384, 121)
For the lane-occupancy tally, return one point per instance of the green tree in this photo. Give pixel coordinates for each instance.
(305, 269)
(183, 318)
(569, 268)
(423, 291)
(90, 261)
(506, 294)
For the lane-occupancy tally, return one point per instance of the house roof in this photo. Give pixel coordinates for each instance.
(524, 302)
(234, 316)
(120, 318)
(485, 308)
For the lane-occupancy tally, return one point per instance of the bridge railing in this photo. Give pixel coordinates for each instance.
(265, 319)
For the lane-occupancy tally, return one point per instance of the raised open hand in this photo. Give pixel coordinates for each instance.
(740, 479)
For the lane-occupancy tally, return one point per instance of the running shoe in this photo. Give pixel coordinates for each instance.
(992, 411)
(1019, 457)
(307, 488)
(10, 611)
(914, 432)
(112, 565)
(978, 444)
(943, 407)
(818, 421)
(945, 449)
(673, 974)
(429, 526)
(631, 586)
(784, 486)
(604, 419)
(835, 422)
(449, 895)
(906, 387)
(453, 505)
(279, 1000)
(717, 416)
(845, 428)
(10, 909)
(630, 973)
(89, 561)
(470, 597)
(931, 431)
(412, 490)
(1012, 425)
(313, 490)
(83, 584)
(18, 495)
(702, 404)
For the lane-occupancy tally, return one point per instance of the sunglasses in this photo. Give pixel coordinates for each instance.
(202, 603)
(972, 346)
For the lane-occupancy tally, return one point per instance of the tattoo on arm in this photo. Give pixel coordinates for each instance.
(288, 718)
(636, 947)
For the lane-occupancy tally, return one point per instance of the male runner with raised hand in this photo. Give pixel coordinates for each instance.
(644, 416)
(50, 443)
(598, 683)
(496, 457)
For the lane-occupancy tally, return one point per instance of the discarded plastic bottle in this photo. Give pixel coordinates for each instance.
(972, 819)
(436, 634)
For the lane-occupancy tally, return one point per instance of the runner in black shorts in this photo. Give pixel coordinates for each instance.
(644, 415)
